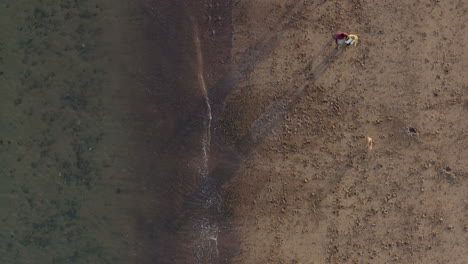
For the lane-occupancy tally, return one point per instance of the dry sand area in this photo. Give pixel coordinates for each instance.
(310, 190)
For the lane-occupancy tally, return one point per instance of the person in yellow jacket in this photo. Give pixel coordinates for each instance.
(352, 39)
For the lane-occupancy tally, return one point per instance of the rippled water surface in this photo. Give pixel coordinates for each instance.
(106, 145)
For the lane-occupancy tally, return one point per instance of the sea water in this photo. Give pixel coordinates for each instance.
(105, 133)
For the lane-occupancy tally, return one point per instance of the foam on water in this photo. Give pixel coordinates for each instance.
(206, 228)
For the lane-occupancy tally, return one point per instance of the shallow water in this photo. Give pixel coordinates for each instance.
(105, 132)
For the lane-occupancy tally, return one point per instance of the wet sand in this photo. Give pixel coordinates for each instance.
(177, 170)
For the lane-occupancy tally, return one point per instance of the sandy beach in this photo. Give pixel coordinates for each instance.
(308, 188)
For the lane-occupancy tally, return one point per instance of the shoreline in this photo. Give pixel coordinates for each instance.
(171, 172)
(109, 156)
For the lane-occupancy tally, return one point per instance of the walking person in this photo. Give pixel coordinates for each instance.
(340, 38)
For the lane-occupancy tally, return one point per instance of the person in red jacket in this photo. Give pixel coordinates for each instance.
(340, 38)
